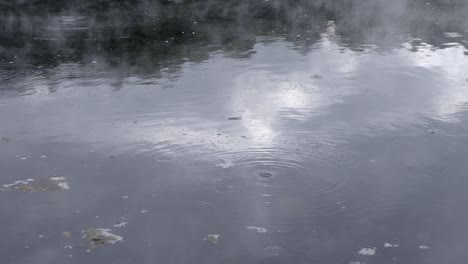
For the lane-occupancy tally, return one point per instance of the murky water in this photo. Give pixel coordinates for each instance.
(272, 131)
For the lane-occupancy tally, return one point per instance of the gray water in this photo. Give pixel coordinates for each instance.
(275, 131)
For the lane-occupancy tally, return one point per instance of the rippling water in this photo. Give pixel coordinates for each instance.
(326, 131)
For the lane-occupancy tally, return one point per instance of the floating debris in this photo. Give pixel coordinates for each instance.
(42, 185)
(68, 247)
(123, 224)
(212, 238)
(43, 157)
(388, 245)
(21, 157)
(144, 211)
(235, 118)
(367, 251)
(125, 197)
(4, 139)
(41, 236)
(423, 247)
(257, 229)
(265, 174)
(100, 236)
(66, 234)
(356, 262)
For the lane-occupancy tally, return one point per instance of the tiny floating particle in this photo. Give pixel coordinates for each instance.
(367, 251)
(123, 224)
(257, 229)
(144, 211)
(212, 238)
(235, 118)
(125, 197)
(423, 247)
(388, 245)
(43, 157)
(68, 247)
(100, 236)
(356, 262)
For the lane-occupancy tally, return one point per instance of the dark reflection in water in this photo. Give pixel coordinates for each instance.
(327, 131)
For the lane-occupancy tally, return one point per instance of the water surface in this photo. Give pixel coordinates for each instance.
(234, 131)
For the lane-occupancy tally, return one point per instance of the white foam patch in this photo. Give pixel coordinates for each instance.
(17, 183)
(367, 251)
(61, 182)
(57, 178)
(226, 164)
(452, 34)
(423, 247)
(123, 224)
(257, 229)
(388, 245)
(212, 238)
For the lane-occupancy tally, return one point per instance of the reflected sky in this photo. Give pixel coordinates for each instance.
(332, 126)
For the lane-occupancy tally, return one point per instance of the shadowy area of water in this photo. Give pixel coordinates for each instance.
(272, 131)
